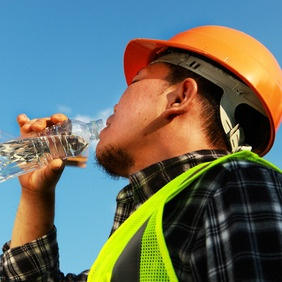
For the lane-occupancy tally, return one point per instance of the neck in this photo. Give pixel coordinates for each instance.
(165, 148)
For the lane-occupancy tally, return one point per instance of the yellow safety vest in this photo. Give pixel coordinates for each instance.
(145, 224)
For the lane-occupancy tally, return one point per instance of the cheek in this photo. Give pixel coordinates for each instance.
(125, 130)
(134, 112)
(123, 126)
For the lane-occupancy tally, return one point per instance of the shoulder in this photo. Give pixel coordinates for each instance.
(240, 188)
(240, 223)
(233, 185)
(240, 173)
(238, 185)
(232, 179)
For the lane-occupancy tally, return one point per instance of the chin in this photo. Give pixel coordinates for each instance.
(99, 149)
(115, 160)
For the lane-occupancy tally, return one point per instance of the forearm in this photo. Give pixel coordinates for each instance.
(35, 217)
(35, 261)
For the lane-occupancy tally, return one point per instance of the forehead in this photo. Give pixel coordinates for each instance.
(156, 70)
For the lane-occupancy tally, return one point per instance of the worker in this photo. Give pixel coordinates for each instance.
(200, 111)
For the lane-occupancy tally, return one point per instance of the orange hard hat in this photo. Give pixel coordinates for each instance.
(238, 52)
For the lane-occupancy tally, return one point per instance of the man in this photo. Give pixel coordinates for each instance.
(200, 206)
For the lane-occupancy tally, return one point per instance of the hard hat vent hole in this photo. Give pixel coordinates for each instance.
(255, 125)
(238, 92)
(194, 65)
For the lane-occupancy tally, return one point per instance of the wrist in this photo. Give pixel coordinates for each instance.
(35, 216)
(42, 194)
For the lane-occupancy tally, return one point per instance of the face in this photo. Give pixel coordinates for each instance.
(128, 129)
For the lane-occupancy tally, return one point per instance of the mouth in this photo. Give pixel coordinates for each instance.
(108, 122)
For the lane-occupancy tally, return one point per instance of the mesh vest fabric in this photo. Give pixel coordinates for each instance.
(155, 262)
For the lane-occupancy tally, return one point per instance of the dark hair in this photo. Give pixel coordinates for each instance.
(209, 95)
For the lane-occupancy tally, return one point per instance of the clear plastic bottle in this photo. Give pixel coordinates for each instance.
(65, 141)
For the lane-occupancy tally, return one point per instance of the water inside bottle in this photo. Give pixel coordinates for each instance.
(24, 155)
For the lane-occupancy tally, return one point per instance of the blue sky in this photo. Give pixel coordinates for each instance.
(67, 56)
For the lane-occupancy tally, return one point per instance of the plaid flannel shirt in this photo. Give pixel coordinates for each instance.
(227, 226)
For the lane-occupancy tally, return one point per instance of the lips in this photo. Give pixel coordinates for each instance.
(108, 122)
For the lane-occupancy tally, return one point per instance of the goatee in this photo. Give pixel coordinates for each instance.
(115, 161)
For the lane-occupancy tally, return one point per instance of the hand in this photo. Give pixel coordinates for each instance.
(42, 180)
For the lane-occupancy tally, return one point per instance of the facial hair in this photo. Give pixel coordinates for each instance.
(115, 161)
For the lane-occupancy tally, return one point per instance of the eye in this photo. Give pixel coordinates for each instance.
(134, 81)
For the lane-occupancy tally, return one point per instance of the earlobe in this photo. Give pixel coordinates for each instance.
(180, 99)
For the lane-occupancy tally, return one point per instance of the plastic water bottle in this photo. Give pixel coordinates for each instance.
(66, 141)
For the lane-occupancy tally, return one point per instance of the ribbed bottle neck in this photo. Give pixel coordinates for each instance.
(95, 127)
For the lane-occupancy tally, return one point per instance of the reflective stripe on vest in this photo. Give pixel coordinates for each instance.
(137, 251)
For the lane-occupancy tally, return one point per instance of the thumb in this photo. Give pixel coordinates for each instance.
(53, 172)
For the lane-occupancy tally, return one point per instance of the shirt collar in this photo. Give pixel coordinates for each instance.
(144, 183)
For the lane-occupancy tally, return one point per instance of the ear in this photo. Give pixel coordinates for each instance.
(179, 100)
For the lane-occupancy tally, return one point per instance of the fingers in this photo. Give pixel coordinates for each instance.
(35, 125)
(57, 118)
(22, 119)
(28, 126)
(56, 166)
(39, 124)
(44, 179)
